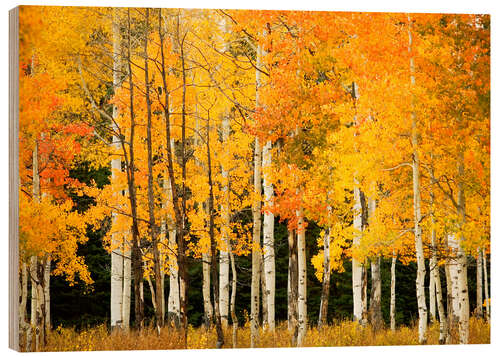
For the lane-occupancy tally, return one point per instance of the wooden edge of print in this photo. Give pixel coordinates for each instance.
(14, 178)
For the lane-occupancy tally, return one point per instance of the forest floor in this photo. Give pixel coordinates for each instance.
(343, 333)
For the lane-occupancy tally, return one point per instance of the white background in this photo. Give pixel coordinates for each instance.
(457, 6)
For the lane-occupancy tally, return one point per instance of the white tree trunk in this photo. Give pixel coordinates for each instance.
(25, 329)
(422, 308)
(256, 213)
(432, 295)
(256, 255)
(127, 283)
(486, 292)
(116, 239)
(376, 295)
(479, 284)
(268, 232)
(463, 288)
(173, 295)
(393, 293)
(207, 302)
(225, 227)
(357, 268)
(454, 269)
(325, 291)
(302, 278)
(46, 292)
(234, 319)
(264, 295)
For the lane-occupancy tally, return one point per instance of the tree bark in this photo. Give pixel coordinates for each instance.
(264, 293)
(376, 296)
(432, 296)
(302, 278)
(463, 288)
(294, 284)
(325, 288)
(486, 292)
(268, 237)
(116, 166)
(422, 308)
(234, 319)
(225, 244)
(46, 292)
(479, 285)
(392, 312)
(256, 215)
(434, 266)
(25, 329)
(357, 268)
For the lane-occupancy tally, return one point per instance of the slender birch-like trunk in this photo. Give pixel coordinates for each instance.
(376, 295)
(325, 289)
(234, 320)
(294, 284)
(434, 267)
(116, 166)
(392, 311)
(46, 292)
(453, 293)
(449, 295)
(127, 282)
(357, 268)
(264, 293)
(225, 247)
(486, 292)
(207, 303)
(463, 288)
(173, 307)
(257, 222)
(268, 237)
(173, 304)
(422, 308)
(479, 285)
(302, 278)
(36, 294)
(432, 296)
(434, 272)
(443, 324)
(376, 288)
(256, 255)
(25, 329)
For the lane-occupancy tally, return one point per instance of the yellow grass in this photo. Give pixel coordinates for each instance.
(344, 333)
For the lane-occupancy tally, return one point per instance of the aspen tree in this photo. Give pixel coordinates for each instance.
(294, 284)
(479, 284)
(224, 260)
(302, 278)
(256, 214)
(268, 235)
(392, 311)
(486, 292)
(422, 308)
(117, 253)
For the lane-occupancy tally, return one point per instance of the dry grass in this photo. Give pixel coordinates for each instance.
(344, 333)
